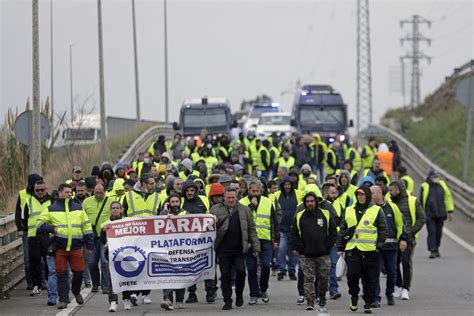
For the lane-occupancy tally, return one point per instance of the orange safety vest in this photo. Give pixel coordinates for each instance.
(386, 161)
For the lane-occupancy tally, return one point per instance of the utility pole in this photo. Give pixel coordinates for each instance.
(104, 153)
(137, 85)
(364, 73)
(416, 55)
(35, 144)
(70, 82)
(52, 72)
(166, 61)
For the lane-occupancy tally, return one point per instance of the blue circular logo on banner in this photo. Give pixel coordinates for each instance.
(129, 261)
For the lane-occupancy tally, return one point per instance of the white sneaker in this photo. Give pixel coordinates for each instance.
(146, 299)
(134, 299)
(405, 295)
(36, 291)
(113, 307)
(397, 292)
(167, 305)
(300, 300)
(178, 305)
(127, 305)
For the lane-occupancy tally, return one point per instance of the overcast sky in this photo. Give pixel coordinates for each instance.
(236, 49)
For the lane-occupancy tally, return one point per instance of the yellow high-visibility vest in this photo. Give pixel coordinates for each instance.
(367, 238)
(35, 208)
(262, 217)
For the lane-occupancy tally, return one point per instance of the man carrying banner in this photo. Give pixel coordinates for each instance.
(174, 208)
(235, 231)
(116, 213)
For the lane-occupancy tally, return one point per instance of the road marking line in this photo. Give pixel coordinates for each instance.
(458, 240)
(70, 307)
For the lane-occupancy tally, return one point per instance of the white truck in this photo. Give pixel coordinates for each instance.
(273, 122)
(84, 130)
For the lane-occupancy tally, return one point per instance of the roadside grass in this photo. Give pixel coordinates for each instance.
(438, 128)
(58, 166)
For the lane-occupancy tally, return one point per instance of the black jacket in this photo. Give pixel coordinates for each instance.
(392, 242)
(32, 178)
(401, 201)
(288, 203)
(315, 236)
(435, 206)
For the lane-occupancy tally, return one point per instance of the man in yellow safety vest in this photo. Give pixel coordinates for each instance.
(362, 233)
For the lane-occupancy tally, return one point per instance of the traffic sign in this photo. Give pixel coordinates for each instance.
(465, 91)
(23, 126)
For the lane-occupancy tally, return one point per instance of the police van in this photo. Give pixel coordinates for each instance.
(211, 114)
(320, 109)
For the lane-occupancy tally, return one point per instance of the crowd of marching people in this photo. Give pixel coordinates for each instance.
(288, 207)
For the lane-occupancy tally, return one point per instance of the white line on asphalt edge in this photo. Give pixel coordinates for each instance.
(458, 240)
(70, 307)
(87, 291)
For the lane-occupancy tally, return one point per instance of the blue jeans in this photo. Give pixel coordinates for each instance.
(264, 259)
(52, 280)
(333, 286)
(389, 259)
(86, 275)
(98, 278)
(284, 250)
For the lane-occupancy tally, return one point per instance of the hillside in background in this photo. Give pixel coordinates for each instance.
(438, 128)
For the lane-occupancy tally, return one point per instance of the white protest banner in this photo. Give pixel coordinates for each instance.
(160, 252)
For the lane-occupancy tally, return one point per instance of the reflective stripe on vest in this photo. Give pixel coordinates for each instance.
(73, 226)
(262, 217)
(152, 203)
(137, 205)
(367, 238)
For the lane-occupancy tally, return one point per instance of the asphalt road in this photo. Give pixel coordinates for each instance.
(443, 286)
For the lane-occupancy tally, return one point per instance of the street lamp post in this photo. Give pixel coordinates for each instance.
(166, 61)
(137, 85)
(70, 82)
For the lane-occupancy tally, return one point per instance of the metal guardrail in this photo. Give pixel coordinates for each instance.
(461, 70)
(11, 247)
(413, 158)
(11, 255)
(144, 140)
